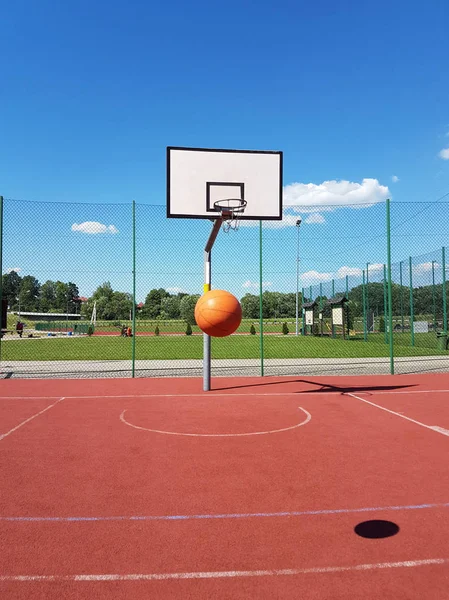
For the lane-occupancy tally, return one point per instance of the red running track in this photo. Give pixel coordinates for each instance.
(97, 504)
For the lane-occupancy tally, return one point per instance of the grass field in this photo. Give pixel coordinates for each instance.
(191, 347)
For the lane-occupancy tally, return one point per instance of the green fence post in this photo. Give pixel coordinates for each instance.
(385, 304)
(134, 293)
(443, 259)
(347, 286)
(1, 267)
(434, 302)
(365, 335)
(367, 295)
(261, 303)
(401, 296)
(412, 312)
(333, 288)
(303, 323)
(390, 294)
(321, 309)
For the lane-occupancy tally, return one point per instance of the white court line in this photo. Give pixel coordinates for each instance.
(226, 574)
(306, 420)
(441, 430)
(201, 394)
(4, 435)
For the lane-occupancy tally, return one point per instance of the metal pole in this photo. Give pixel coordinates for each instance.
(434, 303)
(365, 335)
(261, 301)
(347, 286)
(390, 295)
(333, 288)
(134, 294)
(385, 304)
(412, 313)
(206, 338)
(443, 256)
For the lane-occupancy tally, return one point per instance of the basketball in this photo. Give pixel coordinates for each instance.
(218, 313)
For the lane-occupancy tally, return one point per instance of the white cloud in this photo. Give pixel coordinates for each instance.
(424, 267)
(395, 179)
(350, 271)
(444, 154)
(176, 290)
(315, 218)
(375, 267)
(14, 269)
(315, 277)
(335, 193)
(94, 227)
(255, 284)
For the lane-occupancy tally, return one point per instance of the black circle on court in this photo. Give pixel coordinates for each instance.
(376, 529)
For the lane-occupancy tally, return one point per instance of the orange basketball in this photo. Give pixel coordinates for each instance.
(218, 313)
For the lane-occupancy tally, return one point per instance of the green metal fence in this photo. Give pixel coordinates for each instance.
(125, 280)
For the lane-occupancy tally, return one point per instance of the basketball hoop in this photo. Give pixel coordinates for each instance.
(231, 210)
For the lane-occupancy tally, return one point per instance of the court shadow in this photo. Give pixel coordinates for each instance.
(321, 387)
(324, 387)
(376, 529)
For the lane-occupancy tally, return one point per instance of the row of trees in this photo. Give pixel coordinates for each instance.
(27, 294)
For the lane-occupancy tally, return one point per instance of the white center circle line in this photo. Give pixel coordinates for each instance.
(306, 420)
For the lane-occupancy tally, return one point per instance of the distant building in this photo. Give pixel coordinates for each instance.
(37, 316)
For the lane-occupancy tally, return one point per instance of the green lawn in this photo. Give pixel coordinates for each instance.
(191, 347)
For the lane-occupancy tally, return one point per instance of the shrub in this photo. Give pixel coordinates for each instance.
(381, 324)
(189, 329)
(90, 330)
(156, 331)
(252, 330)
(284, 328)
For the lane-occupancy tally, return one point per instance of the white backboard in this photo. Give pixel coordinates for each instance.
(198, 177)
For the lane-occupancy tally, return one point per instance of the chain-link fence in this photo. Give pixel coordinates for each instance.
(108, 290)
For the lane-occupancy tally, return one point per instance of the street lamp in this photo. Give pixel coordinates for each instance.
(298, 225)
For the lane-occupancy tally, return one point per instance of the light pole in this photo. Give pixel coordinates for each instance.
(298, 225)
(367, 298)
(24, 293)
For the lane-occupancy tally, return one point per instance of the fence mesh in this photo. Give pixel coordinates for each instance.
(110, 290)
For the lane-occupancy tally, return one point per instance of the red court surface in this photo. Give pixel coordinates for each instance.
(151, 488)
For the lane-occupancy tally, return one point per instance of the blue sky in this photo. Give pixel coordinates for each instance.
(93, 92)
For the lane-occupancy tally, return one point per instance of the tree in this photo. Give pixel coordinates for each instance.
(110, 305)
(47, 300)
(29, 293)
(250, 306)
(153, 303)
(170, 307)
(11, 286)
(188, 304)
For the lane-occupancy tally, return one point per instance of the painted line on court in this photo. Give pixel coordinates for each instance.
(225, 574)
(306, 420)
(435, 428)
(298, 513)
(4, 435)
(226, 395)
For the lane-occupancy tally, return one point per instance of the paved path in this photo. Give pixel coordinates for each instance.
(224, 368)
